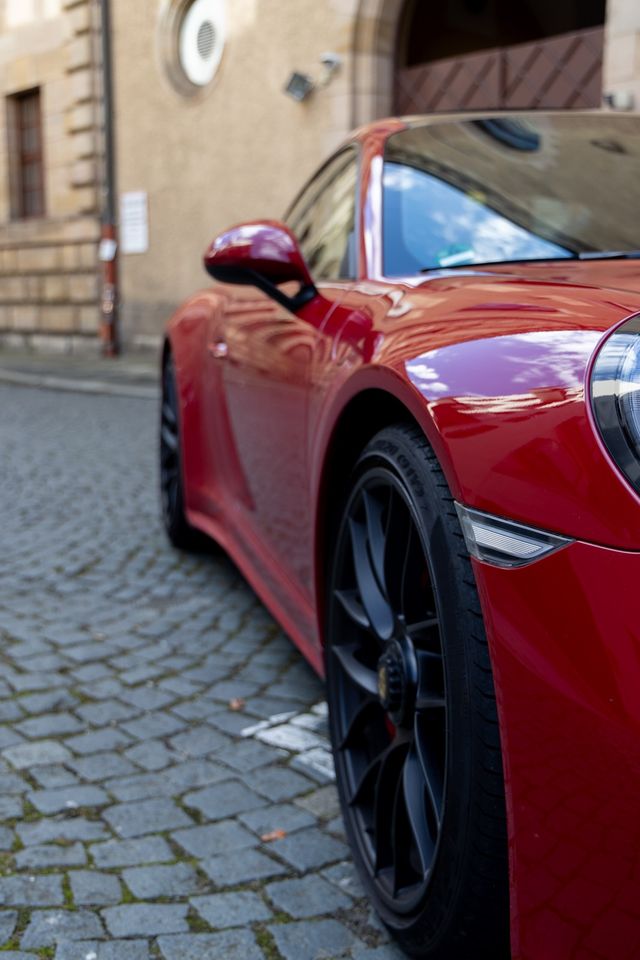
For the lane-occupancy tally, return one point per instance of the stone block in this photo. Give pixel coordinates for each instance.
(83, 288)
(89, 887)
(79, 53)
(146, 919)
(57, 318)
(81, 86)
(47, 927)
(306, 897)
(312, 939)
(146, 816)
(81, 118)
(153, 883)
(244, 867)
(83, 173)
(55, 288)
(51, 855)
(236, 909)
(230, 944)
(83, 200)
(89, 256)
(80, 18)
(41, 259)
(126, 853)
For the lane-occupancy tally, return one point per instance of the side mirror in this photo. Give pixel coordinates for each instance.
(263, 253)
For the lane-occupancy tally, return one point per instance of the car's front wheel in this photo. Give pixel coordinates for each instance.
(412, 709)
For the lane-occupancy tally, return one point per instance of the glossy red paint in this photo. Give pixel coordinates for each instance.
(567, 666)
(264, 247)
(493, 365)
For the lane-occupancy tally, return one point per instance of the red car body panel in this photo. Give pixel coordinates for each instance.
(493, 365)
(566, 665)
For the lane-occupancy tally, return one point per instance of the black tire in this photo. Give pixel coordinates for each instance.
(412, 709)
(180, 533)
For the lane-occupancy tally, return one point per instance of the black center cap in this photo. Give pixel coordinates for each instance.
(391, 678)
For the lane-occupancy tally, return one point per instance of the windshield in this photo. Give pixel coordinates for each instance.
(506, 189)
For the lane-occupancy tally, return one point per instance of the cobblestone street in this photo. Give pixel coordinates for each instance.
(164, 787)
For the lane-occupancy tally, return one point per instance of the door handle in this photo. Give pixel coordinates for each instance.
(218, 349)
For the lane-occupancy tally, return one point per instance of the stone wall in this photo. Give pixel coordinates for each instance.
(49, 266)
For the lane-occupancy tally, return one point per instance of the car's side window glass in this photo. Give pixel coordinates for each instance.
(324, 219)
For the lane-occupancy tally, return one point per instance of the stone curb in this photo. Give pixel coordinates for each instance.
(71, 385)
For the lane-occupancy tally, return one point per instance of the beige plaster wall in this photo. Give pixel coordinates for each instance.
(622, 51)
(238, 150)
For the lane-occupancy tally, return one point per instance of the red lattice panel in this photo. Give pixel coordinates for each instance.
(462, 83)
(564, 72)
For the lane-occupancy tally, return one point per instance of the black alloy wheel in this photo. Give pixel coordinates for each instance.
(412, 709)
(180, 533)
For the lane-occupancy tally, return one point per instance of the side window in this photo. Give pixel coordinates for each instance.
(324, 219)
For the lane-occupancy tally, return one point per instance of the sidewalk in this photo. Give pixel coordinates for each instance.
(132, 375)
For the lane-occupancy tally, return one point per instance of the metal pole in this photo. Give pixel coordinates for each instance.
(108, 248)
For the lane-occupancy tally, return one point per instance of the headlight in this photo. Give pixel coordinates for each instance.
(615, 396)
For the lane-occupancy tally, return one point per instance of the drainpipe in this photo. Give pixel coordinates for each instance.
(109, 332)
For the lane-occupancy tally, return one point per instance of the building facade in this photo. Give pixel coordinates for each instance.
(206, 134)
(50, 124)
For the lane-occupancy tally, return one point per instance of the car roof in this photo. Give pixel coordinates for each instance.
(429, 119)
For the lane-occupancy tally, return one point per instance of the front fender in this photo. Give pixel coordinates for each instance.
(513, 413)
(187, 335)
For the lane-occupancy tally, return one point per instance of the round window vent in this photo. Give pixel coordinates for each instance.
(206, 39)
(199, 36)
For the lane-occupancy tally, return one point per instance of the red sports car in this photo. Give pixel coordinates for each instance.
(411, 414)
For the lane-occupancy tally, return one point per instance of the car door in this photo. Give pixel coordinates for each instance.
(270, 356)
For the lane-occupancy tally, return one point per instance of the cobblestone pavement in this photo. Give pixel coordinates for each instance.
(164, 790)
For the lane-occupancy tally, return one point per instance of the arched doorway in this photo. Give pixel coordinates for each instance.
(416, 56)
(496, 54)
(374, 58)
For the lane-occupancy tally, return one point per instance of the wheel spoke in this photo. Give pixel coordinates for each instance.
(169, 469)
(353, 608)
(398, 839)
(396, 535)
(168, 414)
(431, 769)
(405, 870)
(364, 712)
(171, 492)
(415, 786)
(405, 568)
(430, 693)
(168, 457)
(422, 625)
(359, 673)
(169, 438)
(366, 784)
(374, 602)
(388, 783)
(376, 538)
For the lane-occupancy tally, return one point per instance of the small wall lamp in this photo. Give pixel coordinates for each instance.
(301, 85)
(619, 100)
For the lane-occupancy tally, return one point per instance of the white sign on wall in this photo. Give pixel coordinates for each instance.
(134, 222)
(19, 12)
